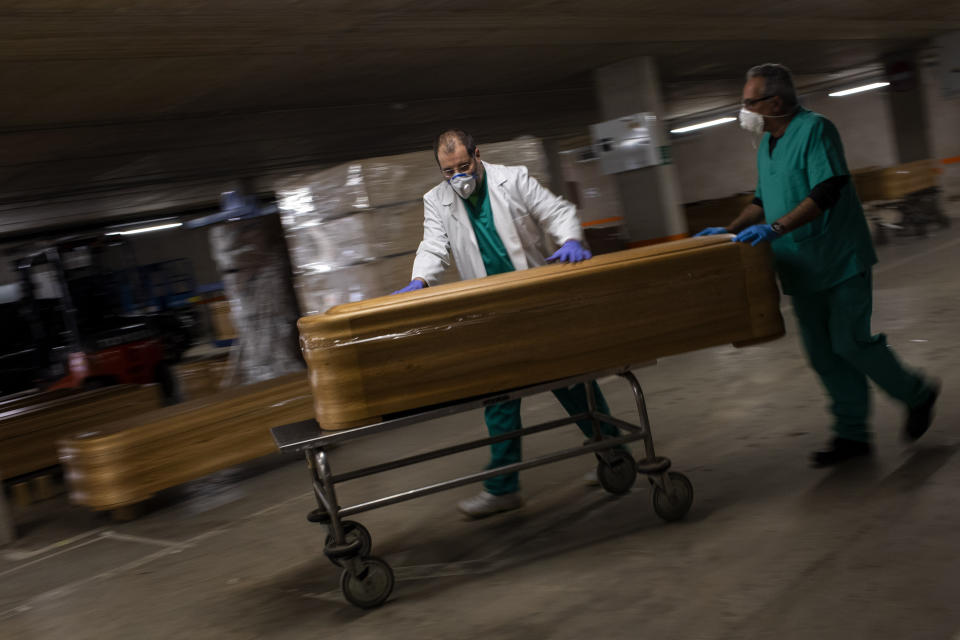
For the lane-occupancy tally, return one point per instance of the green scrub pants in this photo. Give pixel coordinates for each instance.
(835, 325)
(505, 417)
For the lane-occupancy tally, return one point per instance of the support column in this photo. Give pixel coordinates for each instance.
(908, 108)
(651, 196)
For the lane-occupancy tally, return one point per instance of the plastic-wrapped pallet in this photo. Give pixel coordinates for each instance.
(352, 230)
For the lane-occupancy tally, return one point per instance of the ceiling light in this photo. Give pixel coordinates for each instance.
(702, 125)
(866, 87)
(158, 227)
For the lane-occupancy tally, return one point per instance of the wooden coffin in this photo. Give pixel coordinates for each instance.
(386, 355)
(128, 461)
(29, 432)
(200, 378)
(896, 182)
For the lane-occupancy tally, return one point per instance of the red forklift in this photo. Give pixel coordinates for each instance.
(83, 320)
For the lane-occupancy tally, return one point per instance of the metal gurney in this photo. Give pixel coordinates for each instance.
(367, 581)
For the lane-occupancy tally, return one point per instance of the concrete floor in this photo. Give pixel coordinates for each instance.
(771, 548)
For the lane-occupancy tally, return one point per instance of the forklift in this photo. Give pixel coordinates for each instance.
(85, 319)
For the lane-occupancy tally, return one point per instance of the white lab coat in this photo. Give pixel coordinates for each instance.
(521, 208)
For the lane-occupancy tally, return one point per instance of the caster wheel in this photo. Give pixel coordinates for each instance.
(617, 472)
(371, 587)
(318, 515)
(352, 531)
(677, 508)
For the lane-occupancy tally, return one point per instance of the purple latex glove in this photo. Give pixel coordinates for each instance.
(756, 234)
(571, 251)
(711, 231)
(415, 284)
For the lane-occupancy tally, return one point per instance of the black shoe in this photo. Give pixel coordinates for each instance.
(840, 450)
(920, 417)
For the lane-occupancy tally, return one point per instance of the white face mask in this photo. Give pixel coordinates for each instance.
(464, 184)
(752, 122)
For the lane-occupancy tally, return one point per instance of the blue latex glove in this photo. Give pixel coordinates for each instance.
(415, 284)
(571, 251)
(756, 234)
(711, 231)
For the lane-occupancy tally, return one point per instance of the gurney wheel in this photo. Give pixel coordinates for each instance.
(617, 472)
(371, 587)
(675, 509)
(352, 531)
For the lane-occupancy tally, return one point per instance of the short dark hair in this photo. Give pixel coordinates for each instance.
(448, 138)
(777, 81)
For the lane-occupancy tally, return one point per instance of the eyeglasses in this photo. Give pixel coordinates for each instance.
(463, 168)
(749, 102)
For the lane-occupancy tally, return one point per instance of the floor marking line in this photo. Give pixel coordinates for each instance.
(123, 537)
(902, 261)
(17, 555)
(47, 557)
(169, 548)
(73, 586)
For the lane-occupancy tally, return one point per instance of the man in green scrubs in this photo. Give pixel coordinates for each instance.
(806, 206)
(505, 417)
(492, 219)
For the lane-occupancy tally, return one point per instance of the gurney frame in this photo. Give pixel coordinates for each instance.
(367, 581)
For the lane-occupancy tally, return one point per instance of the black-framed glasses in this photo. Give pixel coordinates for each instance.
(463, 168)
(749, 102)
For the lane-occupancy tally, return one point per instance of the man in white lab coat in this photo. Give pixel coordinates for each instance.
(492, 218)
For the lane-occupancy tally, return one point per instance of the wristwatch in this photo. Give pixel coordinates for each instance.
(778, 228)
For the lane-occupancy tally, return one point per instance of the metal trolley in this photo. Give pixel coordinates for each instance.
(367, 581)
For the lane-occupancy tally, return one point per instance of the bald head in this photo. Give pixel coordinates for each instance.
(449, 140)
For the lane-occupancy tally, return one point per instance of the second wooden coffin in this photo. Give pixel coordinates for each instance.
(129, 460)
(29, 432)
(386, 355)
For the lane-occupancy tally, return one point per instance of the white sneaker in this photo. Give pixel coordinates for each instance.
(486, 504)
(590, 478)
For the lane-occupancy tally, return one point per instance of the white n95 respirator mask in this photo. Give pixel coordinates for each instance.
(752, 122)
(464, 184)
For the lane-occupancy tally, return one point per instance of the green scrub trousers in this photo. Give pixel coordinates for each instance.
(835, 325)
(826, 266)
(505, 417)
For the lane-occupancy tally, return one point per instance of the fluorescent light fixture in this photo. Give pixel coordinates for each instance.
(702, 125)
(866, 87)
(158, 227)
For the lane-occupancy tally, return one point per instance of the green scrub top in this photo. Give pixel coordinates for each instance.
(494, 254)
(835, 246)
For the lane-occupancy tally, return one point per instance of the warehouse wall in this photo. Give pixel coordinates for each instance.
(721, 161)
(944, 114)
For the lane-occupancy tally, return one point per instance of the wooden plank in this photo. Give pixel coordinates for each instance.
(129, 460)
(43, 487)
(21, 494)
(8, 532)
(450, 342)
(31, 398)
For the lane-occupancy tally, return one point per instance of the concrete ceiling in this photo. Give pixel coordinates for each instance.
(158, 99)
